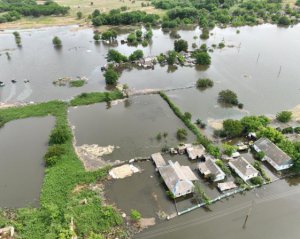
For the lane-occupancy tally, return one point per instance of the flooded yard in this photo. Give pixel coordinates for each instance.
(131, 126)
(23, 143)
(143, 191)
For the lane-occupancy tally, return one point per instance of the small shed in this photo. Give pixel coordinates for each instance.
(195, 151)
(158, 160)
(226, 186)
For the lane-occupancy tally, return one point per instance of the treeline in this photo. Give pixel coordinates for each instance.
(116, 17)
(208, 13)
(14, 9)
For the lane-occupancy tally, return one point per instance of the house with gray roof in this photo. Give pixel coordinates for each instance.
(273, 154)
(211, 170)
(243, 168)
(179, 179)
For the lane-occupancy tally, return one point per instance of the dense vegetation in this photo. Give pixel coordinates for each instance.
(208, 13)
(205, 83)
(116, 17)
(13, 9)
(284, 116)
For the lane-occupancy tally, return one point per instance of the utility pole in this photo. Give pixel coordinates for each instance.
(279, 72)
(258, 57)
(248, 214)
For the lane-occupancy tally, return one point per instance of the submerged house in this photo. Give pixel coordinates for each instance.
(211, 170)
(179, 179)
(195, 151)
(273, 154)
(243, 168)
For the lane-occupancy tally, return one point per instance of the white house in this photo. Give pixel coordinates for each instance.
(243, 168)
(273, 155)
(179, 179)
(211, 170)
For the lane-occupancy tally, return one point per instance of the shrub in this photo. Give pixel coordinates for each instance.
(97, 36)
(284, 116)
(188, 115)
(203, 58)
(170, 194)
(201, 124)
(77, 83)
(296, 129)
(232, 128)
(257, 181)
(238, 181)
(180, 45)
(59, 135)
(51, 161)
(205, 34)
(111, 76)
(136, 55)
(135, 215)
(56, 41)
(260, 155)
(288, 130)
(228, 149)
(181, 134)
(171, 57)
(79, 15)
(228, 97)
(55, 150)
(221, 45)
(116, 56)
(284, 21)
(205, 83)
(223, 167)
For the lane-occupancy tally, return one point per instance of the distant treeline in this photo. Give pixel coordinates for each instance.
(116, 17)
(14, 9)
(208, 13)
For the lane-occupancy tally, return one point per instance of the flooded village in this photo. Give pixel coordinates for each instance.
(155, 149)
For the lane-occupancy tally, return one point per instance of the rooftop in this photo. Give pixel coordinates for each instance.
(195, 151)
(272, 151)
(209, 167)
(158, 160)
(243, 166)
(177, 178)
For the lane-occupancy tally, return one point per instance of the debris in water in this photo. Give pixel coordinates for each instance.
(123, 171)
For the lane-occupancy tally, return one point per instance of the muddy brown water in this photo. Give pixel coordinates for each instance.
(131, 125)
(23, 143)
(250, 67)
(273, 213)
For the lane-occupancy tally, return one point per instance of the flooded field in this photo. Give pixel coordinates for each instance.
(21, 160)
(132, 126)
(273, 213)
(256, 64)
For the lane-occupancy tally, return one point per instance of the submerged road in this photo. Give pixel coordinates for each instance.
(272, 214)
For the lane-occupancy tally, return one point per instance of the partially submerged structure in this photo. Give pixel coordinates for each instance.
(226, 186)
(273, 154)
(243, 168)
(211, 170)
(195, 151)
(179, 179)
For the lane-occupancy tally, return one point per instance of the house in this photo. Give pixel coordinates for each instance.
(181, 149)
(147, 62)
(179, 179)
(273, 155)
(211, 170)
(195, 151)
(158, 160)
(243, 168)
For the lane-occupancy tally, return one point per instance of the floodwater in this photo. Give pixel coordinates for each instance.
(23, 143)
(273, 213)
(131, 125)
(260, 65)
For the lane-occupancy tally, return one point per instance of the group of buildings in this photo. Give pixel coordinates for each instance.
(180, 179)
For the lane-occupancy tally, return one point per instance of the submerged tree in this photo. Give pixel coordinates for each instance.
(111, 76)
(56, 41)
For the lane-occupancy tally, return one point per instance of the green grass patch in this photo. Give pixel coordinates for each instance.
(77, 83)
(96, 97)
